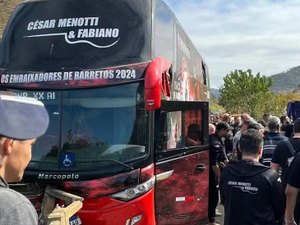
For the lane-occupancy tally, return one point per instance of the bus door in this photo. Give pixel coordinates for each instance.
(182, 163)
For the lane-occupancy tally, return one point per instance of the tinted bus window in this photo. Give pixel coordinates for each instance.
(178, 129)
(164, 32)
(193, 127)
(174, 128)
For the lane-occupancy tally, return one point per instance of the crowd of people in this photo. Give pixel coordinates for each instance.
(254, 168)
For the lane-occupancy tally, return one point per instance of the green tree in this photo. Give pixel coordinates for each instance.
(278, 105)
(245, 92)
(214, 105)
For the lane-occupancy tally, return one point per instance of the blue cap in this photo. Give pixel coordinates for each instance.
(22, 118)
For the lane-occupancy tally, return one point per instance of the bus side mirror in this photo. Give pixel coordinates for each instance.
(153, 82)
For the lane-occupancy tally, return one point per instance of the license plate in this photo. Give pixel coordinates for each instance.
(75, 220)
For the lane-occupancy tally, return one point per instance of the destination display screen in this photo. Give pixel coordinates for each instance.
(63, 41)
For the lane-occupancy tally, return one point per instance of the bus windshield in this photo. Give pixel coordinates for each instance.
(90, 128)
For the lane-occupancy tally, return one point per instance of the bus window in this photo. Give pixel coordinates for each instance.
(204, 72)
(164, 32)
(92, 125)
(193, 136)
(177, 129)
(48, 142)
(193, 127)
(169, 129)
(174, 137)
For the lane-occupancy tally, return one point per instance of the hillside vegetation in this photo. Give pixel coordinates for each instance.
(6, 8)
(287, 81)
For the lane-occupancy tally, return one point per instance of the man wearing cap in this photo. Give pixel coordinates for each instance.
(251, 192)
(22, 121)
(217, 159)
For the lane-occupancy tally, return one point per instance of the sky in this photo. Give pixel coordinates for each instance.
(261, 35)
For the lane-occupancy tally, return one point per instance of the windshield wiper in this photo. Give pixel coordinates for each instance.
(116, 161)
(93, 161)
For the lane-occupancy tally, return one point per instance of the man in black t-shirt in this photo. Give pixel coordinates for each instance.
(283, 156)
(292, 190)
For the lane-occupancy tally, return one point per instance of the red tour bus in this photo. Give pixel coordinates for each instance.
(127, 95)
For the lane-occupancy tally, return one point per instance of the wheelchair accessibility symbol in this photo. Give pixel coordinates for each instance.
(67, 160)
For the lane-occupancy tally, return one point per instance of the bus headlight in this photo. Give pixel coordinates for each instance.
(134, 192)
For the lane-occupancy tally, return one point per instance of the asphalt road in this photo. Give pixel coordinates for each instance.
(220, 219)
